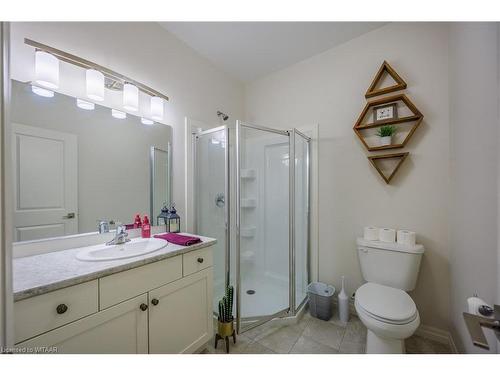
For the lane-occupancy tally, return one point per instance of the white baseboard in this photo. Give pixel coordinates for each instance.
(437, 334)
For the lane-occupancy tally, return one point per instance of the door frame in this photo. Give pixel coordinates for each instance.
(296, 133)
(6, 295)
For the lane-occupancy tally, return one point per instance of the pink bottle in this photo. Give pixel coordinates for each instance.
(137, 221)
(146, 227)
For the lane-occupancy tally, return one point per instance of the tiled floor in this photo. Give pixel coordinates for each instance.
(314, 336)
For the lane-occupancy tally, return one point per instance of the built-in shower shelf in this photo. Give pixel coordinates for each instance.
(247, 255)
(248, 173)
(248, 232)
(248, 203)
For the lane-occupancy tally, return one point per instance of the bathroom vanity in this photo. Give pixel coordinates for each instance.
(160, 302)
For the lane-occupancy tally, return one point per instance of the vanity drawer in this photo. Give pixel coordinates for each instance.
(197, 260)
(45, 312)
(121, 286)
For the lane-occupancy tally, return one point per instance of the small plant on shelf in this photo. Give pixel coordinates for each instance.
(385, 133)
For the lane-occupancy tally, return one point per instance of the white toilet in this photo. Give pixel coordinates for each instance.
(382, 304)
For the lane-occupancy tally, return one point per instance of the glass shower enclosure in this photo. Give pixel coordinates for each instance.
(256, 203)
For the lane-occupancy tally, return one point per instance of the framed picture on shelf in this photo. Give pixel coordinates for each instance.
(385, 112)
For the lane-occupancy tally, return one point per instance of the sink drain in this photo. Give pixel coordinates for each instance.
(250, 291)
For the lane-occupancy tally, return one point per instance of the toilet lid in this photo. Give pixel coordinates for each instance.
(388, 304)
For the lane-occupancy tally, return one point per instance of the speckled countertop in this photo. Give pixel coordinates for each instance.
(39, 274)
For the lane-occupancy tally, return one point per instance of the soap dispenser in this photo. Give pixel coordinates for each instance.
(343, 304)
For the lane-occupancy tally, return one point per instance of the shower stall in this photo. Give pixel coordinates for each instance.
(249, 196)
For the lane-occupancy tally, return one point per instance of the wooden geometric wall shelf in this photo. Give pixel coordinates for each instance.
(376, 162)
(413, 119)
(384, 70)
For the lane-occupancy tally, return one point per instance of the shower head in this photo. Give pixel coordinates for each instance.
(222, 115)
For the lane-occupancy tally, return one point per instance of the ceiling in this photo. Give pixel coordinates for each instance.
(250, 50)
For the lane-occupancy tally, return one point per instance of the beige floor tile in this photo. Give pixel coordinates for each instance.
(305, 345)
(325, 333)
(256, 348)
(348, 347)
(420, 345)
(355, 331)
(260, 330)
(241, 343)
(280, 340)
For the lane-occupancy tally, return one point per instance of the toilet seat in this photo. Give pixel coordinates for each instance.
(386, 304)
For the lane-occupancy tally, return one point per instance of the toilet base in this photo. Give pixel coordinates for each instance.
(381, 345)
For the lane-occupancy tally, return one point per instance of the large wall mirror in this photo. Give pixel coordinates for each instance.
(73, 167)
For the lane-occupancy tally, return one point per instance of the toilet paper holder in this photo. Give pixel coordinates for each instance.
(475, 323)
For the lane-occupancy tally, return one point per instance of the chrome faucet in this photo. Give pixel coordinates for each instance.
(120, 236)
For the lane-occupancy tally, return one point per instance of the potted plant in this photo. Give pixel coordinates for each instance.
(385, 133)
(225, 323)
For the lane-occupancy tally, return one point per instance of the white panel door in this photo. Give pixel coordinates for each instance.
(45, 171)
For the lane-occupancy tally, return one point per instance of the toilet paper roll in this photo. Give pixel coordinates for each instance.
(371, 233)
(387, 235)
(406, 237)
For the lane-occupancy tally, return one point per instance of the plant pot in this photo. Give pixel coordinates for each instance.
(225, 329)
(385, 141)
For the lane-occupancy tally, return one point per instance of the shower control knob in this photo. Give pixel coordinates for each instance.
(155, 301)
(62, 308)
(200, 260)
(143, 307)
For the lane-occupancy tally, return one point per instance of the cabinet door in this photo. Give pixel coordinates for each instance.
(180, 314)
(120, 329)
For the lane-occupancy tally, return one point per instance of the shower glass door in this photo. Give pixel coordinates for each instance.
(211, 179)
(262, 225)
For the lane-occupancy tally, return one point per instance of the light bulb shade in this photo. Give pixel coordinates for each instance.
(156, 108)
(95, 85)
(42, 92)
(46, 70)
(147, 121)
(130, 97)
(83, 104)
(118, 114)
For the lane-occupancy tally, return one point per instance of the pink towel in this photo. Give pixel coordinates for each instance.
(178, 239)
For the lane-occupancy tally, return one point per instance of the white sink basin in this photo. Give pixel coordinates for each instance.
(134, 248)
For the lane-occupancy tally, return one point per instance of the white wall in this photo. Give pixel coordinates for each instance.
(147, 53)
(329, 89)
(474, 167)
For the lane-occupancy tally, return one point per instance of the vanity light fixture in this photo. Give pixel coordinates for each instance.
(118, 114)
(95, 84)
(156, 108)
(146, 121)
(83, 104)
(130, 97)
(42, 92)
(46, 69)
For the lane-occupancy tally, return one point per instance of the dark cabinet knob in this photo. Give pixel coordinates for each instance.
(62, 308)
(143, 307)
(200, 260)
(155, 301)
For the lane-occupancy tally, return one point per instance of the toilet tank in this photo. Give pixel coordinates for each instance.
(390, 264)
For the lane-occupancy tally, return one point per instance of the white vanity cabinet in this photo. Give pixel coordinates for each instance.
(121, 329)
(156, 308)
